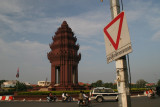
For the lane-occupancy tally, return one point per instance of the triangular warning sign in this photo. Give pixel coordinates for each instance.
(117, 38)
(115, 43)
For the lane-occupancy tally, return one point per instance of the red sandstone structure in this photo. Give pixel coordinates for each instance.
(64, 59)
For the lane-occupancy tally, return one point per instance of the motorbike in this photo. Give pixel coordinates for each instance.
(51, 99)
(85, 102)
(67, 99)
(151, 95)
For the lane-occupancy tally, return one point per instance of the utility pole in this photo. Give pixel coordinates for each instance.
(121, 67)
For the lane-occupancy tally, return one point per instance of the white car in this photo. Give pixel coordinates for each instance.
(101, 93)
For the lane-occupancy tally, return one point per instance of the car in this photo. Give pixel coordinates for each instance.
(101, 93)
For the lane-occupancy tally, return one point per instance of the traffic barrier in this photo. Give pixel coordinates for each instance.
(6, 98)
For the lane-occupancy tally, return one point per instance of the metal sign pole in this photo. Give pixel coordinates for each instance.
(121, 66)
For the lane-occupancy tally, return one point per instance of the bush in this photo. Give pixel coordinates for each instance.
(71, 92)
(6, 93)
(135, 89)
(20, 86)
(53, 92)
(138, 89)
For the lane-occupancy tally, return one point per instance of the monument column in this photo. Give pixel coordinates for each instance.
(53, 74)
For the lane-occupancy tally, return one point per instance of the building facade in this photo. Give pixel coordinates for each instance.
(9, 83)
(43, 83)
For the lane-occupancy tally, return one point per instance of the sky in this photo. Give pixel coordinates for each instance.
(27, 27)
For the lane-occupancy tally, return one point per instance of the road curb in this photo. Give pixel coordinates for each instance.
(138, 96)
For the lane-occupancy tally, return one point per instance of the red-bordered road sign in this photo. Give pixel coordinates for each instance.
(117, 38)
(115, 44)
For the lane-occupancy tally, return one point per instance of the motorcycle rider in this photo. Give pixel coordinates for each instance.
(64, 96)
(51, 97)
(151, 93)
(85, 97)
(80, 97)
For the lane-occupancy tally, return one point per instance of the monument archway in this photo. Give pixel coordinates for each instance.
(57, 74)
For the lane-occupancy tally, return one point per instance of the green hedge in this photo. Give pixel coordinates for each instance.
(135, 90)
(71, 92)
(6, 93)
(138, 89)
(53, 92)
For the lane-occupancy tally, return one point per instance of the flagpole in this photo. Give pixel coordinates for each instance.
(17, 76)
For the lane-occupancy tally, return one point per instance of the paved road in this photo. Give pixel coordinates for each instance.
(136, 102)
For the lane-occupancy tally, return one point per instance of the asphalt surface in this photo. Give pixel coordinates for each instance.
(136, 102)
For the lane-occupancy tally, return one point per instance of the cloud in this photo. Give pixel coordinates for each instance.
(88, 24)
(38, 26)
(87, 48)
(30, 56)
(136, 9)
(146, 13)
(7, 6)
(33, 20)
(85, 25)
(19, 21)
(154, 22)
(156, 36)
(18, 48)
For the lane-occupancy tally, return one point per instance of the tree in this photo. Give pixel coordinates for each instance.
(20, 86)
(98, 83)
(158, 83)
(108, 85)
(1, 81)
(141, 83)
